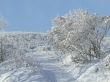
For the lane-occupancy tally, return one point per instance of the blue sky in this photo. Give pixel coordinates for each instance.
(37, 15)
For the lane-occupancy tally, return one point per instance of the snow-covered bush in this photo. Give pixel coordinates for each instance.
(80, 31)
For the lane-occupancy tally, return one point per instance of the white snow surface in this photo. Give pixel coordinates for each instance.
(44, 64)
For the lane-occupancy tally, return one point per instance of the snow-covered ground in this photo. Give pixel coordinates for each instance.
(30, 58)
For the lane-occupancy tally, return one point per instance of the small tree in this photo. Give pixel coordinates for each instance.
(80, 31)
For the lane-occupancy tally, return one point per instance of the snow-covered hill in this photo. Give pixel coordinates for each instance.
(30, 58)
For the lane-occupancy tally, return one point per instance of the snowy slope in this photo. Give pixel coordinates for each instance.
(41, 64)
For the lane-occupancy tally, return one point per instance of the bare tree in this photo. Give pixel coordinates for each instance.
(80, 31)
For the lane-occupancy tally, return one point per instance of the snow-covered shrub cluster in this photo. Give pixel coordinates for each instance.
(80, 32)
(22, 41)
(15, 46)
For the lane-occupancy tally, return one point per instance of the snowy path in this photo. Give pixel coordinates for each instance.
(50, 70)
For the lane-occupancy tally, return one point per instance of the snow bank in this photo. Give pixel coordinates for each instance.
(99, 72)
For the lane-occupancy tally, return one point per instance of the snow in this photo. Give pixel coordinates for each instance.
(67, 60)
(41, 64)
(99, 72)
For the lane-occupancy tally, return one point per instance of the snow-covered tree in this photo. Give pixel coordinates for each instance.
(80, 31)
(3, 24)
